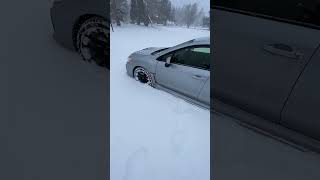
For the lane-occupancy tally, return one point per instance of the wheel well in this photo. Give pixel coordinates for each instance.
(77, 25)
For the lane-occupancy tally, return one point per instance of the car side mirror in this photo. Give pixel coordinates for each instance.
(168, 62)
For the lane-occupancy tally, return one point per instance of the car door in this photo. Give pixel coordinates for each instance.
(301, 112)
(261, 47)
(204, 95)
(185, 75)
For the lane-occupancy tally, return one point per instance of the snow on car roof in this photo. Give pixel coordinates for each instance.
(202, 40)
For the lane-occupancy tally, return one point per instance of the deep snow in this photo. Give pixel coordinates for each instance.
(153, 134)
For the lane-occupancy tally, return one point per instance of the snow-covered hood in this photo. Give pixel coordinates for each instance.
(148, 51)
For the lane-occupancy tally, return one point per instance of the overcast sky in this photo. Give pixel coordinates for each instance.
(205, 4)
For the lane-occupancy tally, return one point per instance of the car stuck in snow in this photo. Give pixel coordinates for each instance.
(183, 70)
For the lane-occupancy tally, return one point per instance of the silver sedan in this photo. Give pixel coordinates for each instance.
(183, 70)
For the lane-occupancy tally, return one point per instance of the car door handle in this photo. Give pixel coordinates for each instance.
(198, 77)
(283, 50)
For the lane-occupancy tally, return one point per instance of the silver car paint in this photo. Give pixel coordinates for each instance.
(191, 84)
(183, 79)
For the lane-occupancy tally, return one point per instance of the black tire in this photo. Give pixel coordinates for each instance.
(142, 75)
(93, 41)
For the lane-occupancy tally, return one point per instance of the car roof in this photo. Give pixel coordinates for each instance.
(197, 41)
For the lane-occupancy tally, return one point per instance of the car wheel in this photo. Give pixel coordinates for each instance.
(142, 75)
(93, 41)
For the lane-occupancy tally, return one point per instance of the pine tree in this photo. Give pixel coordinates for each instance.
(190, 12)
(206, 21)
(199, 17)
(119, 10)
(134, 11)
(142, 13)
(164, 11)
(153, 10)
(179, 16)
(172, 14)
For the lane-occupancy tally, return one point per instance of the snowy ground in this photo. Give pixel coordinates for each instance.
(154, 135)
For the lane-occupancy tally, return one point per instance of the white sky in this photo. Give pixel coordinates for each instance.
(205, 4)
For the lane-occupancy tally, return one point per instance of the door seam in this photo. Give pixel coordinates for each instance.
(295, 83)
(202, 88)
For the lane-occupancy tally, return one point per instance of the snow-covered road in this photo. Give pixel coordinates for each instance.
(154, 135)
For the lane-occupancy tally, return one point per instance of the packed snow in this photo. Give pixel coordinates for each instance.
(153, 134)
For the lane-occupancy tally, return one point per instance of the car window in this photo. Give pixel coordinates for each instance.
(303, 11)
(201, 57)
(180, 56)
(198, 57)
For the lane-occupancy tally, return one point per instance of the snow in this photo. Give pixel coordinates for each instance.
(153, 134)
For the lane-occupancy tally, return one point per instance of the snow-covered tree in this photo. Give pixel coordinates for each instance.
(199, 18)
(164, 11)
(138, 12)
(206, 21)
(119, 11)
(133, 11)
(190, 13)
